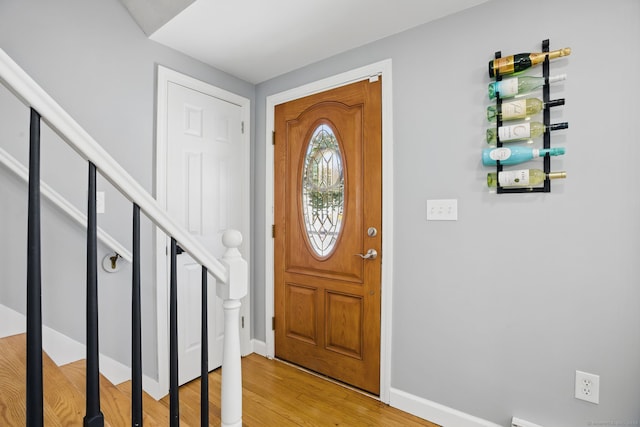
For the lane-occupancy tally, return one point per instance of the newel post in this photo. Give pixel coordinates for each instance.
(231, 293)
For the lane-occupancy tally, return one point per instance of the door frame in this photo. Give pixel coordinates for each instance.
(382, 68)
(162, 263)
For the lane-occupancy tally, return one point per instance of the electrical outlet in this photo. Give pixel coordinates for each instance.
(588, 387)
(517, 422)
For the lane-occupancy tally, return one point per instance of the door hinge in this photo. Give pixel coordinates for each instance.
(273, 231)
(273, 138)
(242, 127)
(273, 323)
(242, 322)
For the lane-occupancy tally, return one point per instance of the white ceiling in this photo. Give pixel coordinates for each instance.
(256, 40)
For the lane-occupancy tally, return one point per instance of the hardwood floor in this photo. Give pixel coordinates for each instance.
(275, 394)
(279, 395)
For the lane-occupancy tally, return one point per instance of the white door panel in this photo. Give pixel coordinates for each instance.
(205, 172)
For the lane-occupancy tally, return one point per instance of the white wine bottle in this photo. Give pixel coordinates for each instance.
(514, 155)
(519, 109)
(521, 61)
(509, 88)
(521, 131)
(521, 178)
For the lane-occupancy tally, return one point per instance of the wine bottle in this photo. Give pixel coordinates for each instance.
(522, 61)
(515, 155)
(519, 109)
(521, 178)
(521, 131)
(509, 88)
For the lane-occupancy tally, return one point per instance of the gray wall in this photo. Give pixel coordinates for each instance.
(94, 60)
(494, 313)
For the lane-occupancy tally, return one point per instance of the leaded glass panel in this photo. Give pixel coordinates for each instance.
(323, 190)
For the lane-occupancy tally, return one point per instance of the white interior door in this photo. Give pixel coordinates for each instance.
(205, 193)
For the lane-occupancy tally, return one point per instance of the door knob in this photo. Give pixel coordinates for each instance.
(371, 254)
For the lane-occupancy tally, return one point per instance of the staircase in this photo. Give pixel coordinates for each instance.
(64, 389)
(77, 394)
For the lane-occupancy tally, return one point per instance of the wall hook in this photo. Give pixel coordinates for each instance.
(110, 262)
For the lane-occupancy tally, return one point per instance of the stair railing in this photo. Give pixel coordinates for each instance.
(231, 273)
(13, 165)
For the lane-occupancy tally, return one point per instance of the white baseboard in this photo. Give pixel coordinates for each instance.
(61, 348)
(12, 323)
(153, 388)
(435, 412)
(259, 347)
(113, 370)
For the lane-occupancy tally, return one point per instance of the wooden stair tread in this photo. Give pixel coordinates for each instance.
(62, 404)
(114, 404)
(149, 406)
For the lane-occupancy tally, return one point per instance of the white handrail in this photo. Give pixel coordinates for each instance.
(32, 95)
(56, 198)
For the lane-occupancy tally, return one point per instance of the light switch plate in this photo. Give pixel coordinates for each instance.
(442, 210)
(100, 202)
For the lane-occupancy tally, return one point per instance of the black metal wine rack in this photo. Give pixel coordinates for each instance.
(546, 188)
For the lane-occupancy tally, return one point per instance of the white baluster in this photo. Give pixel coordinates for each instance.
(232, 292)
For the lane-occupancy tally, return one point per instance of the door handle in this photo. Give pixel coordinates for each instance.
(371, 254)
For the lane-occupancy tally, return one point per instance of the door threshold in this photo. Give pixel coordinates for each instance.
(327, 378)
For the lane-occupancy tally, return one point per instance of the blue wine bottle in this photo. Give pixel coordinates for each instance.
(515, 155)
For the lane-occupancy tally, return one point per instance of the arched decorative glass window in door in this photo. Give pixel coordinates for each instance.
(323, 190)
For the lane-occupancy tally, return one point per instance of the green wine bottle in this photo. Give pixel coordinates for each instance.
(521, 131)
(509, 88)
(521, 178)
(522, 61)
(519, 109)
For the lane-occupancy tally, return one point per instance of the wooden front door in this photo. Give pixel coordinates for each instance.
(328, 216)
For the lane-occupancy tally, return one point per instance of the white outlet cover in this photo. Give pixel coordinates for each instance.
(587, 387)
(517, 422)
